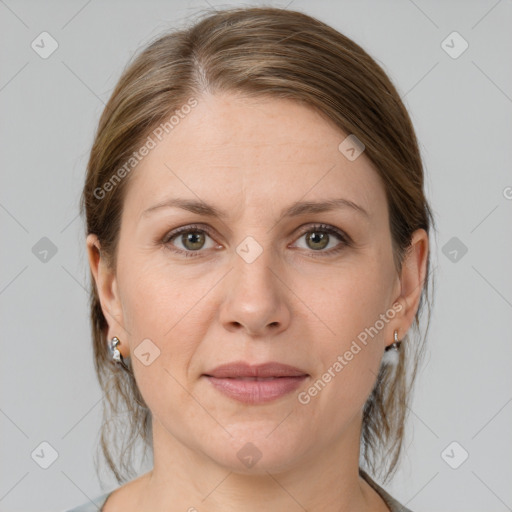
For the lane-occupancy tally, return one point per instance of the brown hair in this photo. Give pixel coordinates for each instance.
(258, 52)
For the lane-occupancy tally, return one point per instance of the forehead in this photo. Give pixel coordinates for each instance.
(232, 150)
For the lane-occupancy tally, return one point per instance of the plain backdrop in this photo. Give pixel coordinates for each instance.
(460, 100)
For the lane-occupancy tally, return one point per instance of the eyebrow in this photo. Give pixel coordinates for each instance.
(296, 209)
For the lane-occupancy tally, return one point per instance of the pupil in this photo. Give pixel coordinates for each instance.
(319, 238)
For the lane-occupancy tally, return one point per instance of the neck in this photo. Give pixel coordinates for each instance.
(187, 479)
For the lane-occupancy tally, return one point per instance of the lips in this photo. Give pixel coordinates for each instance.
(263, 371)
(255, 384)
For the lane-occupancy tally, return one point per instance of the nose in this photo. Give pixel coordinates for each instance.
(256, 298)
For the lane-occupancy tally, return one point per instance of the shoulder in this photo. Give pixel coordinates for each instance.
(92, 505)
(120, 498)
(392, 503)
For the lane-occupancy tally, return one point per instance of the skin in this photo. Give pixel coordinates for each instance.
(298, 303)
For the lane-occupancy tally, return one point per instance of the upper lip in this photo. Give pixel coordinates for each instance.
(243, 369)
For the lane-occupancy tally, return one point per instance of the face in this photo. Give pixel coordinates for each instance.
(259, 282)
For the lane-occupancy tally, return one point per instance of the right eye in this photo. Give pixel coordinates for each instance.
(192, 239)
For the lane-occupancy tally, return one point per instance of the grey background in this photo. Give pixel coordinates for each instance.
(461, 109)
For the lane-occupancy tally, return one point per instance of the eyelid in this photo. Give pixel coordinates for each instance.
(327, 228)
(185, 229)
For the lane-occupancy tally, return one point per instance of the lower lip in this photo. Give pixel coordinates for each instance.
(256, 391)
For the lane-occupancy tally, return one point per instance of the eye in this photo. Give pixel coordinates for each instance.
(192, 239)
(320, 236)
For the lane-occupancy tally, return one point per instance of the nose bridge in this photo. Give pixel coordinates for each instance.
(253, 264)
(253, 268)
(254, 298)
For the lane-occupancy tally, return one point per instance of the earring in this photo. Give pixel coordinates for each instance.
(115, 353)
(392, 352)
(396, 344)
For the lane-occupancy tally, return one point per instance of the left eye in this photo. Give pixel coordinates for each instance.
(319, 237)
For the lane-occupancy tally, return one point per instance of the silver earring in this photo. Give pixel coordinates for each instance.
(392, 352)
(115, 353)
(396, 344)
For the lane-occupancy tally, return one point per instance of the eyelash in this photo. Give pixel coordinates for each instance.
(195, 228)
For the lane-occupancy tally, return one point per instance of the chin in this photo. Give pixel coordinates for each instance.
(255, 452)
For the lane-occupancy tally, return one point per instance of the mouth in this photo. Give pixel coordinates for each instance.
(255, 384)
(256, 379)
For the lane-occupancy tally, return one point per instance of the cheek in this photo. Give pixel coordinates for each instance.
(160, 307)
(348, 362)
(352, 299)
(155, 299)
(155, 316)
(356, 309)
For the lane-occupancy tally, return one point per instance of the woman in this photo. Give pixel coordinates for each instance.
(257, 234)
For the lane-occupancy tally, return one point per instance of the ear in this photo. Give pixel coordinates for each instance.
(108, 292)
(412, 279)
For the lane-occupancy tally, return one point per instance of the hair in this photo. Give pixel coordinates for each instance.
(258, 52)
